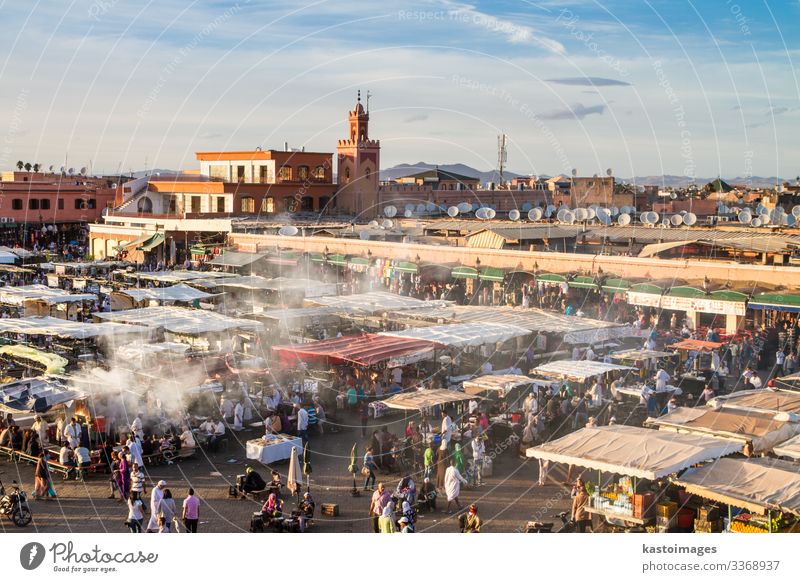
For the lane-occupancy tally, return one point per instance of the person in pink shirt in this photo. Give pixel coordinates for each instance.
(191, 512)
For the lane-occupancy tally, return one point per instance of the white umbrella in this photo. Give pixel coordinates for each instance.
(294, 481)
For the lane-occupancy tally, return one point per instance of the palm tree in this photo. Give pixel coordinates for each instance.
(36, 167)
(20, 165)
(28, 166)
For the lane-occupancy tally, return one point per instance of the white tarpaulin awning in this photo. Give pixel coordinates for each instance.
(577, 369)
(309, 287)
(502, 384)
(760, 401)
(790, 448)
(236, 259)
(377, 301)
(639, 355)
(140, 350)
(181, 320)
(64, 328)
(426, 399)
(19, 295)
(757, 485)
(463, 334)
(174, 276)
(180, 292)
(632, 451)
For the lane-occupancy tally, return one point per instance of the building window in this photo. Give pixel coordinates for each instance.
(173, 205)
(240, 173)
(196, 200)
(266, 175)
(218, 172)
(346, 175)
(248, 204)
(285, 173)
(92, 203)
(44, 204)
(319, 173)
(367, 173)
(307, 204)
(323, 203)
(268, 205)
(33, 204)
(61, 204)
(16, 204)
(145, 205)
(290, 204)
(221, 204)
(302, 173)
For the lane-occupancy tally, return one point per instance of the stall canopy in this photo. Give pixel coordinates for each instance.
(376, 302)
(174, 276)
(141, 351)
(639, 355)
(790, 448)
(695, 345)
(180, 292)
(763, 429)
(151, 243)
(363, 350)
(463, 334)
(53, 326)
(426, 399)
(464, 273)
(632, 451)
(49, 363)
(760, 401)
(776, 301)
(181, 320)
(31, 395)
(19, 295)
(503, 384)
(236, 259)
(577, 369)
(757, 485)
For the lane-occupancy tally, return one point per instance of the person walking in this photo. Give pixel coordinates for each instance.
(380, 498)
(441, 464)
(167, 511)
(135, 514)
(427, 461)
(156, 495)
(191, 512)
(580, 517)
(452, 486)
(369, 464)
(43, 484)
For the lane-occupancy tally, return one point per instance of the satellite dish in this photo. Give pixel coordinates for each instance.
(763, 210)
(535, 214)
(765, 219)
(464, 207)
(689, 219)
(363, 235)
(475, 206)
(609, 172)
(373, 224)
(624, 219)
(791, 220)
(676, 220)
(452, 212)
(421, 208)
(604, 216)
(625, 210)
(513, 214)
(614, 211)
(745, 217)
(574, 172)
(562, 212)
(581, 214)
(569, 217)
(491, 213)
(592, 213)
(665, 221)
(288, 230)
(83, 170)
(548, 212)
(756, 221)
(526, 206)
(431, 207)
(673, 196)
(408, 213)
(481, 213)
(653, 217)
(390, 211)
(387, 224)
(644, 218)
(409, 207)
(796, 211)
(50, 168)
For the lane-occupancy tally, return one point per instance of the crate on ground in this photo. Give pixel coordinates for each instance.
(330, 509)
(666, 509)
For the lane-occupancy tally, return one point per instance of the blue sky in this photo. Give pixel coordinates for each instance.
(644, 87)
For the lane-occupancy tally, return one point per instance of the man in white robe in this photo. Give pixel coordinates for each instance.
(155, 498)
(452, 485)
(238, 416)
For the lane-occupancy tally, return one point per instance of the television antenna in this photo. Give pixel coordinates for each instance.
(502, 154)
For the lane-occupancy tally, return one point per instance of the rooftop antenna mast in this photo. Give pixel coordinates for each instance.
(368, 96)
(502, 155)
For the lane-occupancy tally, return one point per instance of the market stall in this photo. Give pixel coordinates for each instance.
(763, 430)
(273, 448)
(43, 300)
(768, 491)
(364, 350)
(461, 335)
(148, 297)
(774, 401)
(508, 389)
(376, 302)
(32, 359)
(578, 370)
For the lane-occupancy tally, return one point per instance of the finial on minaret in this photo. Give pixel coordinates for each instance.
(359, 95)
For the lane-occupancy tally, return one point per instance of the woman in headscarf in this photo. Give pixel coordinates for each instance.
(458, 458)
(272, 507)
(124, 476)
(409, 513)
(441, 464)
(386, 520)
(41, 480)
(452, 485)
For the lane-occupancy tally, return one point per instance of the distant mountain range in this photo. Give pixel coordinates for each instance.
(667, 180)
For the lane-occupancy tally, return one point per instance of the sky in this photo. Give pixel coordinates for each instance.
(647, 87)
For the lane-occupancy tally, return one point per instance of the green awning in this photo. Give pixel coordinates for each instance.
(358, 261)
(776, 301)
(492, 274)
(134, 244)
(646, 288)
(551, 278)
(286, 258)
(616, 285)
(464, 273)
(406, 267)
(727, 295)
(155, 240)
(683, 291)
(339, 260)
(316, 257)
(583, 282)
